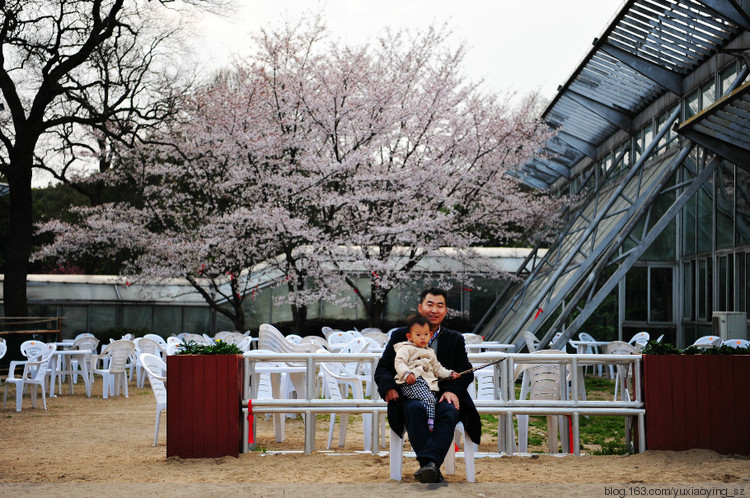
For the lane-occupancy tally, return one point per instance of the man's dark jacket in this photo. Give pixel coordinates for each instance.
(451, 353)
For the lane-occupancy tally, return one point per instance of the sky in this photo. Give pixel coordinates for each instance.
(512, 45)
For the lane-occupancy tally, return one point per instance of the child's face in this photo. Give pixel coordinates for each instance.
(420, 335)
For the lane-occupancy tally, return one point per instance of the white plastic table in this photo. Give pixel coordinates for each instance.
(60, 364)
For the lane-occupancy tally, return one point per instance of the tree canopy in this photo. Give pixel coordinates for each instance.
(323, 161)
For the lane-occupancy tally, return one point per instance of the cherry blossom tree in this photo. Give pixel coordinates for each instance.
(326, 162)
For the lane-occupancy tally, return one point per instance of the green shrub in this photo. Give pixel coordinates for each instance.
(220, 347)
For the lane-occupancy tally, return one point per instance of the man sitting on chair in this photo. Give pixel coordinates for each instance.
(454, 404)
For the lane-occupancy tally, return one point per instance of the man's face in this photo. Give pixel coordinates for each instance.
(420, 335)
(433, 309)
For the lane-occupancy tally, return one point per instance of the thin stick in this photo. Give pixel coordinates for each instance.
(481, 366)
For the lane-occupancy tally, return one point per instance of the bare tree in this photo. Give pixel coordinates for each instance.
(78, 77)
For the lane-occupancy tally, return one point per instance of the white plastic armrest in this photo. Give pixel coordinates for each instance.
(13, 365)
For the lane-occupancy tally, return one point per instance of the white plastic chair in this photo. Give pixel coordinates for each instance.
(150, 346)
(543, 382)
(156, 337)
(83, 342)
(708, 341)
(224, 333)
(156, 370)
(623, 371)
(641, 338)
(114, 375)
(591, 348)
(338, 339)
(732, 343)
(397, 455)
(333, 379)
(34, 374)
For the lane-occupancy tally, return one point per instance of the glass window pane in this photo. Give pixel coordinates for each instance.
(725, 206)
(661, 295)
(727, 77)
(688, 290)
(75, 320)
(196, 320)
(636, 287)
(102, 318)
(702, 289)
(742, 206)
(692, 106)
(137, 317)
(708, 95)
(705, 218)
(167, 320)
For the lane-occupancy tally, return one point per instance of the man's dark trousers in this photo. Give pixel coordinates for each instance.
(430, 445)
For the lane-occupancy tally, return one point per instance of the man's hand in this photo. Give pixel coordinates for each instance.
(391, 395)
(450, 398)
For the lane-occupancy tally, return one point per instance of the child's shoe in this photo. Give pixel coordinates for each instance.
(430, 424)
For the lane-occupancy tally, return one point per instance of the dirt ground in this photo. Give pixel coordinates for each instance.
(80, 444)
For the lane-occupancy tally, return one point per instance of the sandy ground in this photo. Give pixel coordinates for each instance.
(91, 446)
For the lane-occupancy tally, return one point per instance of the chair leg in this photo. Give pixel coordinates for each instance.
(156, 429)
(330, 430)
(396, 456)
(19, 396)
(343, 424)
(469, 458)
(523, 433)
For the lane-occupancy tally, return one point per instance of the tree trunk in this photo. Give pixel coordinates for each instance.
(21, 228)
(299, 313)
(377, 305)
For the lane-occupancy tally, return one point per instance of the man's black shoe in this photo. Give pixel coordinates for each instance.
(440, 478)
(427, 473)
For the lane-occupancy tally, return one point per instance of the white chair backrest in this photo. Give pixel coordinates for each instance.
(379, 337)
(294, 338)
(154, 365)
(368, 330)
(269, 338)
(245, 344)
(327, 331)
(640, 337)
(316, 340)
(119, 352)
(620, 347)
(470, 338)
(156, 337)
(200, 339)
(708, 340)
(221, 335)
(33, 349)
(545, 381)
(150, 346)
(339, 337)
(732, 343)
(156, 370)
(38, 368)
(174, 340)
(584, 336)
(532, 342)
(84, 334)
(3, 347)
(84, 342)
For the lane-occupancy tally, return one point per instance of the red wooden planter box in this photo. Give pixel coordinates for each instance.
(697, 401)
(203, 405)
